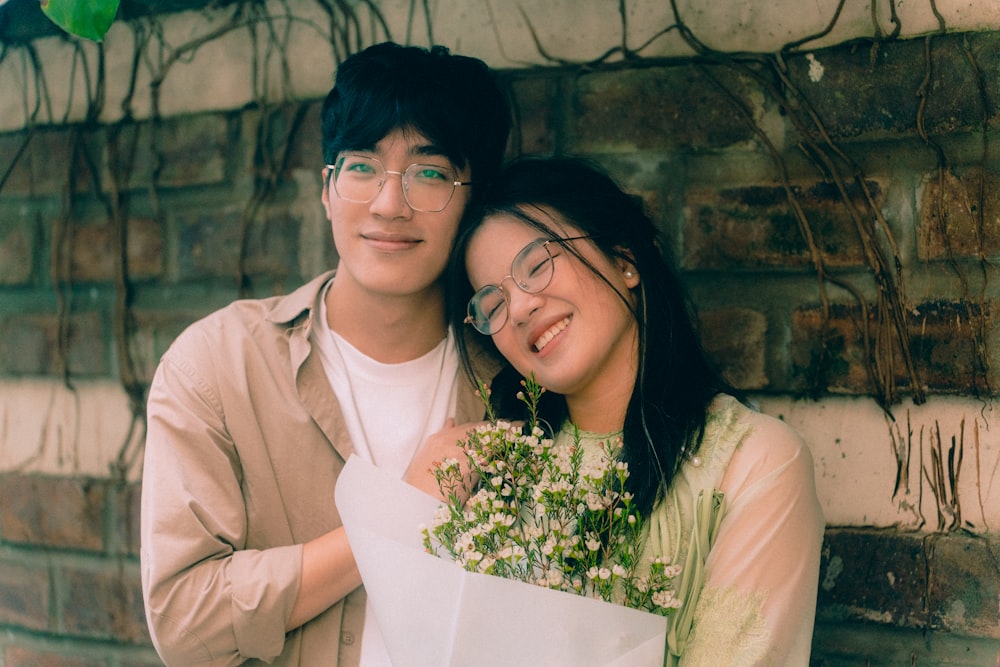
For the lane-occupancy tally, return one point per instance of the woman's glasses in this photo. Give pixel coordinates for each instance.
(531, 271)
(426, 187)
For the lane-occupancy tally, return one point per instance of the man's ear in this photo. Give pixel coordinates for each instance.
(326, 188)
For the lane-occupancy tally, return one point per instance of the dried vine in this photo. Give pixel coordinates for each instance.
(351, 25)
(885, 327)
(347, 34)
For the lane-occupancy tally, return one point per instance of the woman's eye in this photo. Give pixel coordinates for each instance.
(492, 307)
(538, 267)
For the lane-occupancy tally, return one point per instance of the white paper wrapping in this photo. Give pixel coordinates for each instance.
(432, 613)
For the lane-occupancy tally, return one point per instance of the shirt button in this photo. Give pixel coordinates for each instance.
(347, 638)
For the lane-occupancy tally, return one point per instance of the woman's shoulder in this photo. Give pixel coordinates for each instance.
(753, 428)
(766, 446)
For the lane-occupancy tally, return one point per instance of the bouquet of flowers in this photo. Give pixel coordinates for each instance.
(549, 513)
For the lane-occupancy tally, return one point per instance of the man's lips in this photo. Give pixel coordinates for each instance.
(546, 337)
(388, 241)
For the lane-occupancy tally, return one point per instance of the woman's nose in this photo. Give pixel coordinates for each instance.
(521, 304)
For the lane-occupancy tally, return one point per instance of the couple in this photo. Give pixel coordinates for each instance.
(554, 271)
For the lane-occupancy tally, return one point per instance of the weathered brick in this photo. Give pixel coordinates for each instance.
(883, 85)
(93, 257)
(959, 215)
(32, 656)
(655, 109)
(102, 603)
(276, 132)
(755, 226)
(306, 149)
(536, 105)
(29, 345)
(45, 162)
(59, 512)
(210, 243)
(735, 341)
(872, 575)
(176, 152)
(18, 236)
(24, 592)
(944, 340)
(132, 516)
(945, 582)
(964, 584)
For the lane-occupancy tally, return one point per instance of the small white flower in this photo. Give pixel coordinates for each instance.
(666, 599)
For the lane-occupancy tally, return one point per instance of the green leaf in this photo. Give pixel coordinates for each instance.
(90, 19)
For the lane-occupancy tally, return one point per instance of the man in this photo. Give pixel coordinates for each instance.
(255, 409)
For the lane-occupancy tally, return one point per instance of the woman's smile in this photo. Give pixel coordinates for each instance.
(550, 333)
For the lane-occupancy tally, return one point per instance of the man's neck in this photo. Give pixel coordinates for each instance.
(388, 329)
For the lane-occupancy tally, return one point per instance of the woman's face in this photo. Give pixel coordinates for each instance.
(576, 335)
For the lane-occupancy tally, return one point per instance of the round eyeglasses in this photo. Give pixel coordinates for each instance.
(531, 271)
(426, 187)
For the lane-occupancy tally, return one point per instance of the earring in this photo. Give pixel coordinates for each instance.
(629, 274)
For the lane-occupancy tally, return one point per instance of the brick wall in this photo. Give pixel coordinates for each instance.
(69, 575)
(68, 554)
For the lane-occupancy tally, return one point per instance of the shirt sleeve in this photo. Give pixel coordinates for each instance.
(209, 600)
(759, 601)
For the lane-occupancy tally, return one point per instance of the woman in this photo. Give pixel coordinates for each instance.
(561, 268)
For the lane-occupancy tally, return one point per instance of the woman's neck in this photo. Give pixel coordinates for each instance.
(596, 416)
(600, 406)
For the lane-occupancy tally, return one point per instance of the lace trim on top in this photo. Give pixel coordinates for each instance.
(714, 626)
(730, 629)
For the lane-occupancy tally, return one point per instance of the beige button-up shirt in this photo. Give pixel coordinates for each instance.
(244, 445)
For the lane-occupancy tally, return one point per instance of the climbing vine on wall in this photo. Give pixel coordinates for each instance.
(884, 325)
(351, 25)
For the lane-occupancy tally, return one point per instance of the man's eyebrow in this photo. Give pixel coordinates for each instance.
(431, 150)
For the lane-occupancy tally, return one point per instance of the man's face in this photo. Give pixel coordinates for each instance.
(385, 246)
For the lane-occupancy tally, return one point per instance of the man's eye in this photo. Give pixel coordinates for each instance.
(359, 168)
(430, 173)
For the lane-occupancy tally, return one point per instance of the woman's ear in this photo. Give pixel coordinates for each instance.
(624, 261)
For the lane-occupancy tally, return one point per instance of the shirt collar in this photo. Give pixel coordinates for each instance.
(289, 308)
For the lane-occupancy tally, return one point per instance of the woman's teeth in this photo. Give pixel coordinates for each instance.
(547, 337)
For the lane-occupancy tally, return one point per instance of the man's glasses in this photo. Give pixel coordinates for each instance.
(426, 187)
(531, 271)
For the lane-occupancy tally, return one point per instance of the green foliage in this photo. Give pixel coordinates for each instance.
(90, 19)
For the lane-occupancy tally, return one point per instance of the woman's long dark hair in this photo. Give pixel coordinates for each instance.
(666, 414)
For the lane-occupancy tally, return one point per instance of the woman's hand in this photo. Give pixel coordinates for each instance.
(448, 443)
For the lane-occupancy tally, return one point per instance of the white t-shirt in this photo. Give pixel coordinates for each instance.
(389, 410)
